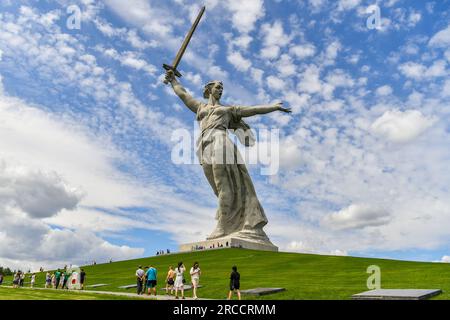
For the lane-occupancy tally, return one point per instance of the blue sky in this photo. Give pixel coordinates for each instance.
(86, 125)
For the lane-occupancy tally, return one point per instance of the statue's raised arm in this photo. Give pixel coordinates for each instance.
(263, 109)
(181, 92)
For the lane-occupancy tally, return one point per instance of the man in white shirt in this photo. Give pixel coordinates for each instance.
(140, 279)
(33, 280)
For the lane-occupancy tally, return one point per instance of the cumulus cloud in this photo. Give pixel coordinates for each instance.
(238, 61)
(384, 90)
(357, 216)
(348, 4)
(275, 83)
(445, 259)
(303, 51)
(401, 126)
(40, 194)
(419, 71)
(441, 39)
(245, 13)
(274, 38)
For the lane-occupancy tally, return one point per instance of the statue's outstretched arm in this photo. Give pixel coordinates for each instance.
(181, 92)
(263, 109)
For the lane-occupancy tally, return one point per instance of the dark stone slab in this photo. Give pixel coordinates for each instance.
(128, 286)
(397, 294)
(262, 291)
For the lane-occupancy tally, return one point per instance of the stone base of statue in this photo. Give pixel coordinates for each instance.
(235, 240)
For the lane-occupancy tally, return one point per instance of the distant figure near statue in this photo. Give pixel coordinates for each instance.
(239, 212)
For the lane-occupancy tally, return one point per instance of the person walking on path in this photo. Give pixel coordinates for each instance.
(179, 280)
(82, 278)
(65, 278)
(139, 279)
(57, 278)
(195, 278)
(48, 280)
(144, 281)
(170, 280)
(151, 280)
(16, 280)
(53, 281)
(33, 280)
(22, 279)
(235, 284)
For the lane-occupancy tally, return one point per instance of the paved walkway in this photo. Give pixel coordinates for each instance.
(123, 294)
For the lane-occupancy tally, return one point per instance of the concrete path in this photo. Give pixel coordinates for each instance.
(123, 294)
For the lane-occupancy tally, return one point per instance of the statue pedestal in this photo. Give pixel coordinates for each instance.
(228, 242)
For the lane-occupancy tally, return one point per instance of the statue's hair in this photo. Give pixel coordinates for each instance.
(207, 89)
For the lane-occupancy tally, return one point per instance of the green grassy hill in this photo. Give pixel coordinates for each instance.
(305, 276)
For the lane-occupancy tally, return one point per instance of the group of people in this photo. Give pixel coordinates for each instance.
(19, 279)
(161, 252)
(55, 280)
(175, 280)
(59, 279)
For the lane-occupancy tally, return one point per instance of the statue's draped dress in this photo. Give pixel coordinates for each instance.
(239, 212)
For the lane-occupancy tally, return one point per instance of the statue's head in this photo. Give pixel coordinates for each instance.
(214, 88)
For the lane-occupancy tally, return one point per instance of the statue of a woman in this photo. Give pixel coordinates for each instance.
(239, 212)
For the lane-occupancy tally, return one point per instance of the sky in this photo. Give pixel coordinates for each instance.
(86, 125)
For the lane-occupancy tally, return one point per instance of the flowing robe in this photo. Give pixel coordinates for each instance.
(239, 211)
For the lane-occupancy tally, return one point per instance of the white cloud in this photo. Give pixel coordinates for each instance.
(297, 101)
(418, 71)
(129, 35)
(40, 194)
(385, 90)
(357, 216)
(348, 4)
(245, 13)
(274, 38)
(445, 259)
(286, 67)
(238, 61)
(310, 80)
(412, 70)
(275, 83)
(441, 39)
(303, 51)
(402, 126)
(129, 59)
(152, 19)
(339, 78)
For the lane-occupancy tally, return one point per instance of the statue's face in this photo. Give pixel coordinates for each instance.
(216, 90)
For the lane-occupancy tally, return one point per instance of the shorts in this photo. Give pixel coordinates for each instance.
(151, 283)
(234, 286)
(170, 282)
(195, 281)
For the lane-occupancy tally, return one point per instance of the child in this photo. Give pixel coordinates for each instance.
(235, 278)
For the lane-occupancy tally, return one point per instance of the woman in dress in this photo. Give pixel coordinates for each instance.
(179, 280)
(239, 212)
(195, 278)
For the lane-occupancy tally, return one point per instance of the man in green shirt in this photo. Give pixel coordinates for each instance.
(66, 278)
(58, 277)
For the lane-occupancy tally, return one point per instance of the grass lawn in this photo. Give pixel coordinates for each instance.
(30, 294)
(305, 276)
